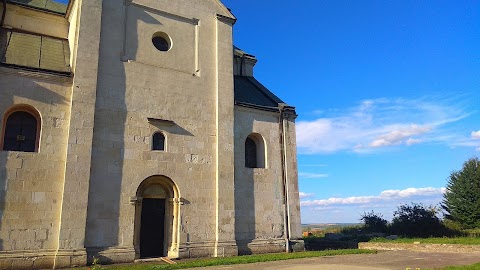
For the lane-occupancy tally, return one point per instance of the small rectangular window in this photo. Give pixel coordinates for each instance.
(158, 142)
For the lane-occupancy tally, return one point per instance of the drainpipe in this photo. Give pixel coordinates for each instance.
(285, 178)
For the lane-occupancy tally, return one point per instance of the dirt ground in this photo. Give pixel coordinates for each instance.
(394, 260)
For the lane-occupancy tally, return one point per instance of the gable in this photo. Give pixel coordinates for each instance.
(226, 11)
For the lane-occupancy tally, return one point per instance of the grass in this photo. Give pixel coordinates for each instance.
(433, 240)
(463, 267)
(235, 260)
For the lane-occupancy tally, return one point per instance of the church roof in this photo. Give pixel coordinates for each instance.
(34, 52)
(249, 91)
(46, 5)
(239, 52)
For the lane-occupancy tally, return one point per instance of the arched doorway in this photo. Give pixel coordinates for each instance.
(156, 222)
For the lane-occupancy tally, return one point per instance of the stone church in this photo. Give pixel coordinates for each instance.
(135, 129)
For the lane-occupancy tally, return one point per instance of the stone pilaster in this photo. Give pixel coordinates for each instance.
(295, 229)
(225, 197)
(71, 249)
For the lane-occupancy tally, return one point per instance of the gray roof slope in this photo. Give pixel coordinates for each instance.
(22, 50)
(47, 5)
(239, 52)
(250, 91)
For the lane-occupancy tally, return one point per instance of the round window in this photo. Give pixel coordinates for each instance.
(161, 41)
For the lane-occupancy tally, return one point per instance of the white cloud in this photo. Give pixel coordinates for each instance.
(412, 141)
(412, 192)
(472, 141)
(380, 123)
(304, 195)
(312, 175)
(399, 135)
(476, 135)
(384, 196)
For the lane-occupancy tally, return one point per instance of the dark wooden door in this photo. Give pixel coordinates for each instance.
(152, 231)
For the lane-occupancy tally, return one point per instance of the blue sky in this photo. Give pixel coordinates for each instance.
(387, 94)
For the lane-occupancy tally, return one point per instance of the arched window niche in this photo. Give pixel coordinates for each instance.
(158, 141)
(157, 212)
(21, 129)
(255, 152)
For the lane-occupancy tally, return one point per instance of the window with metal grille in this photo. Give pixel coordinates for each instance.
(21, 132)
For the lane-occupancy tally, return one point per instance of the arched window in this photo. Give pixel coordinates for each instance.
(254, 151)
(158, 142)
(250, 153)
(21, 130)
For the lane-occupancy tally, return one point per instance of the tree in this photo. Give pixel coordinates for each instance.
(416, 220)
(374, 222)
(461, 200)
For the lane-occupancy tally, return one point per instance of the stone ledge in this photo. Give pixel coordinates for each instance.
(446, 248)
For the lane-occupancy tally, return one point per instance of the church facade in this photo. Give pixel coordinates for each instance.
(135, 129)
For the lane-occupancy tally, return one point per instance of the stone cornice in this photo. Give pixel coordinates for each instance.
(226, 19)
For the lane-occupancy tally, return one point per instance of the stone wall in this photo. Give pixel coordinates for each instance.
(258, 191)
(188, 91)
(31, 183)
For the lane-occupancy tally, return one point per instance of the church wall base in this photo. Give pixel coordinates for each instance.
(70, 258)
(207, 249)
(48, 259)
(227, 249)
(259, 246)
(109, 255)
(41, 259)
(27, 259)
(297, 245)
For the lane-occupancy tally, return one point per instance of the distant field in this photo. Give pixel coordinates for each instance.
(325, 226)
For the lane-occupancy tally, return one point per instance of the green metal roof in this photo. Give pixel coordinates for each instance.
(22, 50)
(251, 92)
(46, 5)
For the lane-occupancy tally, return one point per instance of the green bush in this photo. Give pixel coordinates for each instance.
(416, 220)
(373, 222)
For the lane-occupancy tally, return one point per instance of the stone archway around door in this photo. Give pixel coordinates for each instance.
(156, 218)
